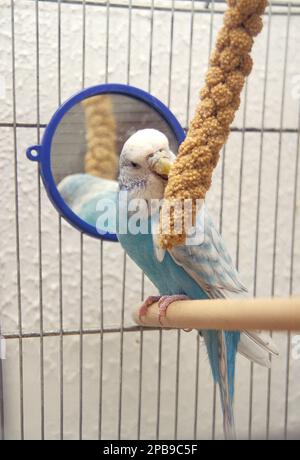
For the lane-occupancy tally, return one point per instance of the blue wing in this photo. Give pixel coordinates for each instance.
(209, 262)
(210, 265)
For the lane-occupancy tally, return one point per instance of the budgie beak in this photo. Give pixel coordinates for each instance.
(160, 165)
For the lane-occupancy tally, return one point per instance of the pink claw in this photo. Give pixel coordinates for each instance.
(165, 301)
(147, 303)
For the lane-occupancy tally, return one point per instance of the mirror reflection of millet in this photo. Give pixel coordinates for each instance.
(101, 158)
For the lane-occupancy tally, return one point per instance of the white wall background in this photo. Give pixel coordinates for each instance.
(25, 178)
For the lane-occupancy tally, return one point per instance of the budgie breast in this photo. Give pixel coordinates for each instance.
(168, 277)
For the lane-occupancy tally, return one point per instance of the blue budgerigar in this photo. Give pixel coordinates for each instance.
(199, 270)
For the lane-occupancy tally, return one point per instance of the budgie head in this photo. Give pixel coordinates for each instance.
(145, 163)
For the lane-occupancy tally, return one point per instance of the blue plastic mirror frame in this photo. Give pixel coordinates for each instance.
(42, 152)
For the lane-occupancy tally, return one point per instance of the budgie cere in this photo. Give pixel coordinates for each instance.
(194, 271)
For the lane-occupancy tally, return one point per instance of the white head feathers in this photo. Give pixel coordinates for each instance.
(137, 174)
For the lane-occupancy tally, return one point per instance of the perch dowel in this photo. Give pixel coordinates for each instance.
(279, 314)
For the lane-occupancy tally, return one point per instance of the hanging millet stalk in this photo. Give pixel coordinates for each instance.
(230, 63)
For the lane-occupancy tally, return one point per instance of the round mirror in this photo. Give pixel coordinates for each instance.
(79, 154)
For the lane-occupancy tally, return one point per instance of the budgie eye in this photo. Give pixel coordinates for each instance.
(134, 165)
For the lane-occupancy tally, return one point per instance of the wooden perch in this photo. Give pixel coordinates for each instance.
(279, 314)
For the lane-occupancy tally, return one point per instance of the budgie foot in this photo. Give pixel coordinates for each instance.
(165, 301)
(163, 304)
(147, 303)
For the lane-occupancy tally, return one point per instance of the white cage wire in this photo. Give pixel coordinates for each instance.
(76, 366)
